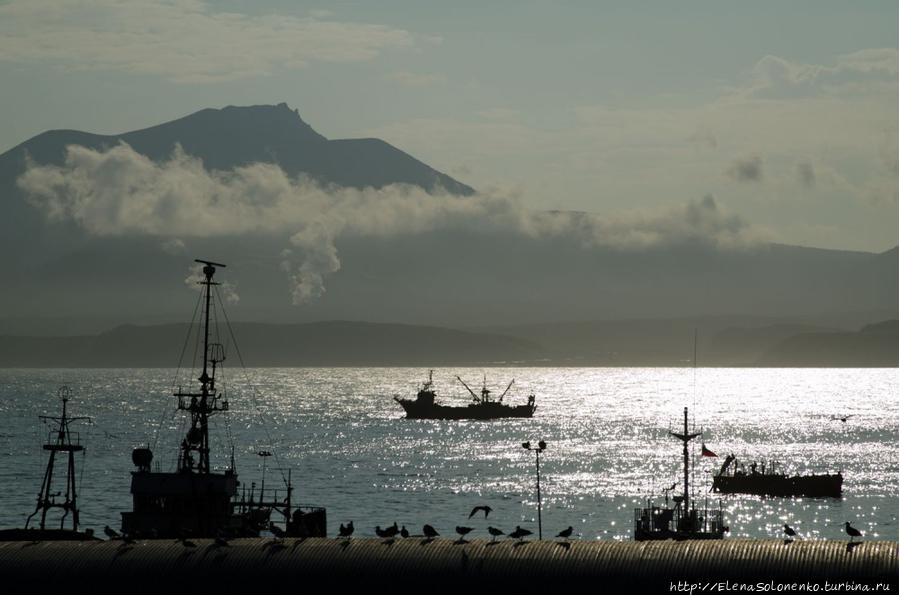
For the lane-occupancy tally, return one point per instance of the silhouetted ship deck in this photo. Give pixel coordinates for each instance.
(424, 406)
(194, 500)
(733, 478)
(684, 521)
(65, 442)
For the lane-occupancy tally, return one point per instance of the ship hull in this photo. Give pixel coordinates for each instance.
(812, 486)
(415, 410)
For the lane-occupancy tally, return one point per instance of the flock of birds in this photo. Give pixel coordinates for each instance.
(430, 533)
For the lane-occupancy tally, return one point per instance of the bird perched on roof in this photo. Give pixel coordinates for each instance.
(347, 530)
(520, 533)
(789, 531)
(381, 532)
(404, 533)
(392, 530)
(852, 532)
(462, 531)
(487, 510)
(110, 532)
(221, 541)
(186, 542)
(429, 532)
(494, 532)
(277, 531)
(566, 533)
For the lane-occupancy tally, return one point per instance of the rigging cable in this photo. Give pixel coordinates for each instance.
(178, 370)
(253, 390)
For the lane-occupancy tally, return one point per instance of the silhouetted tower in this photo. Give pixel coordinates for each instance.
(64, 441)
(685, 438)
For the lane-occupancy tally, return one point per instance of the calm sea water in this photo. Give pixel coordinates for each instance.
(351, 451)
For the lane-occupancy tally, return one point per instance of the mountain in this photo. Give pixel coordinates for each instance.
(233, 136)
(57, 279)
(223, 139)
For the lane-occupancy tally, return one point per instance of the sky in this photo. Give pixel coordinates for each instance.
(786, 113)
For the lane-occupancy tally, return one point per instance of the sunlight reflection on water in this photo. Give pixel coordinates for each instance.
(351, 451)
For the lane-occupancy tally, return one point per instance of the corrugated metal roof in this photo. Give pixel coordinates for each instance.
(378, 560)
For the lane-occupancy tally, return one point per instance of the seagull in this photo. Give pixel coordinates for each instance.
(566, 533)
(520, 533)
(110, 532)
(494, 532)
(841, 418)
(381, 532)
(462, 531)
(277, 531)
(487, 510)
(404, 533)
(346, 531)
(790, 532)
(852, 532)
(429, 532)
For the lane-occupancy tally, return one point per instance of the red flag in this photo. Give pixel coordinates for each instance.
(707, 453)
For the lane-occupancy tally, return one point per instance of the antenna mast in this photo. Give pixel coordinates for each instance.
(207, 402)
(65, 441)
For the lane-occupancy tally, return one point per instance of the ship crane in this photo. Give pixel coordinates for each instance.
(474, 395)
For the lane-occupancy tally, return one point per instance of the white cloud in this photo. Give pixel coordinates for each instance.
(184, 41)
(778, 78)
(120, 192)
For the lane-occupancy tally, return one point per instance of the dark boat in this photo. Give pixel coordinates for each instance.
(684, 520)
(65, 442)
(194, 500)
(733, 478)
(424, 406)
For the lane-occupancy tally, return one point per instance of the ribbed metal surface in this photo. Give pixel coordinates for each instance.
(256, 559)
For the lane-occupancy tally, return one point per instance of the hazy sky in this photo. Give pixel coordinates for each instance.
(786, 112)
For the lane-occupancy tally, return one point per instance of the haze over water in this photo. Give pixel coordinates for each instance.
(352, 452)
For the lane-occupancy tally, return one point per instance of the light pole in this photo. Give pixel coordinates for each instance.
(541, 446)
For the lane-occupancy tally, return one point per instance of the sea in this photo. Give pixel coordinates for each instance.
(348, 447)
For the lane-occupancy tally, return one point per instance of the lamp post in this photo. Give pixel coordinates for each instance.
(541, 446)
(265, 454)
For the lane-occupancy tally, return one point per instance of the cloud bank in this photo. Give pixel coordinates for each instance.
(185, 41)
(119, 192)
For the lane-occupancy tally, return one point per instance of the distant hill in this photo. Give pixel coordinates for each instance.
(656, 342)
(875, 345)
(335, 343)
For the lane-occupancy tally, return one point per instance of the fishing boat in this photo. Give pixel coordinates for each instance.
(64, 442)
(483, 405)
(683, 520)
(195, 500)
(767, 480)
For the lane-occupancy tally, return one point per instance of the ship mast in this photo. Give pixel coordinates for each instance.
(68, 442)
(685, 438)
(207, 402)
